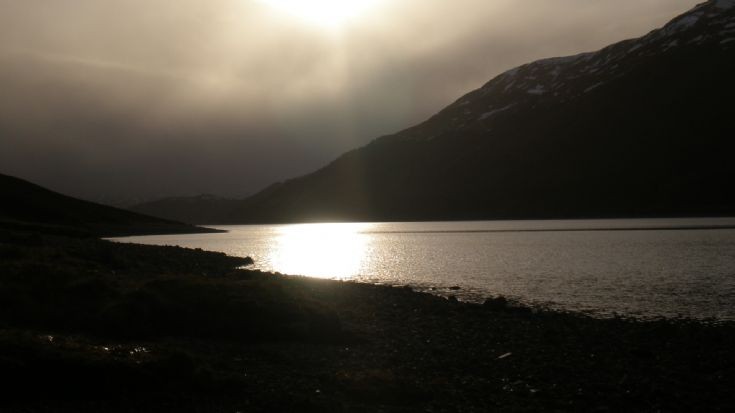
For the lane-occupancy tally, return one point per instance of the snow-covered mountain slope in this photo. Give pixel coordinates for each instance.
(559, 80)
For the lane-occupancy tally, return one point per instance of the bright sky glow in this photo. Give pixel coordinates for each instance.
(324, 13)
(95, 96)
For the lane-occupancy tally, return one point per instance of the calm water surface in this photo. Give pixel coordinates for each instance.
(647, 268)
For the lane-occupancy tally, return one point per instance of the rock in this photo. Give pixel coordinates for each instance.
(496, 303)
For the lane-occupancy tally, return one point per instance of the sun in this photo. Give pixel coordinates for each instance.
(324, 13)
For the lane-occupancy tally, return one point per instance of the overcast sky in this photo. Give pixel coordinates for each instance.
(118, 100)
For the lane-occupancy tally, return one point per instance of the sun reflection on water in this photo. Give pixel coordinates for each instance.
(320, 250)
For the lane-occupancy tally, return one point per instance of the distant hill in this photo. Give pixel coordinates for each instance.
(29, 206)
(201, 209)
(643, 127)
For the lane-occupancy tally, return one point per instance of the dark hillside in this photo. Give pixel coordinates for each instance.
(202, 209)
(640, 128)
(27, 206)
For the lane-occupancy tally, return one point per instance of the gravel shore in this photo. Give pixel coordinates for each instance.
(88, 325)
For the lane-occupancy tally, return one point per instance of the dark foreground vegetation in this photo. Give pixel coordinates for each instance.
(89, 325)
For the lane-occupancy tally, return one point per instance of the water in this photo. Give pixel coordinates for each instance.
(643, 268)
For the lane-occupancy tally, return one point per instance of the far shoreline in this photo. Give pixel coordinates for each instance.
(472, 293)
(212, 227)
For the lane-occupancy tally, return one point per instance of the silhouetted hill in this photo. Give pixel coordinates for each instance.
(28, 206)
(642, 127)
(202, 209)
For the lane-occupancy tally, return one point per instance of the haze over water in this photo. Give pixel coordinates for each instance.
(646, 268)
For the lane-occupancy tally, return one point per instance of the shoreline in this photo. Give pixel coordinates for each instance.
(586, 289)
(145, 328)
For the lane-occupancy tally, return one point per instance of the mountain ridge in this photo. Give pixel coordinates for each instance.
(638, 128)
(197, 209)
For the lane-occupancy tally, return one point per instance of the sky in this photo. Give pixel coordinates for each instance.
(132, 100)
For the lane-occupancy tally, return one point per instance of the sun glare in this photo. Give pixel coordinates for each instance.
(320, 250)
(324, 13)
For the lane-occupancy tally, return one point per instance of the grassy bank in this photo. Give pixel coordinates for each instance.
(88, 325)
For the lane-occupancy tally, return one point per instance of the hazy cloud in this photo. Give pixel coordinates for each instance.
(138, 99)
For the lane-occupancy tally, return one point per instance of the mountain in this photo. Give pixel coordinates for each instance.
(643, 127)
(29, 206)
(201, 209)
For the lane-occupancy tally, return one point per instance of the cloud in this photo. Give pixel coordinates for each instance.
(135, 99)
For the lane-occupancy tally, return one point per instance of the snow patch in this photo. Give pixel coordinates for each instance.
(593, 87)
(685, 22)
(495, 112)
(555, 61)
(697, 39)
(511, 72)
(671, 44)
(537, 90)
